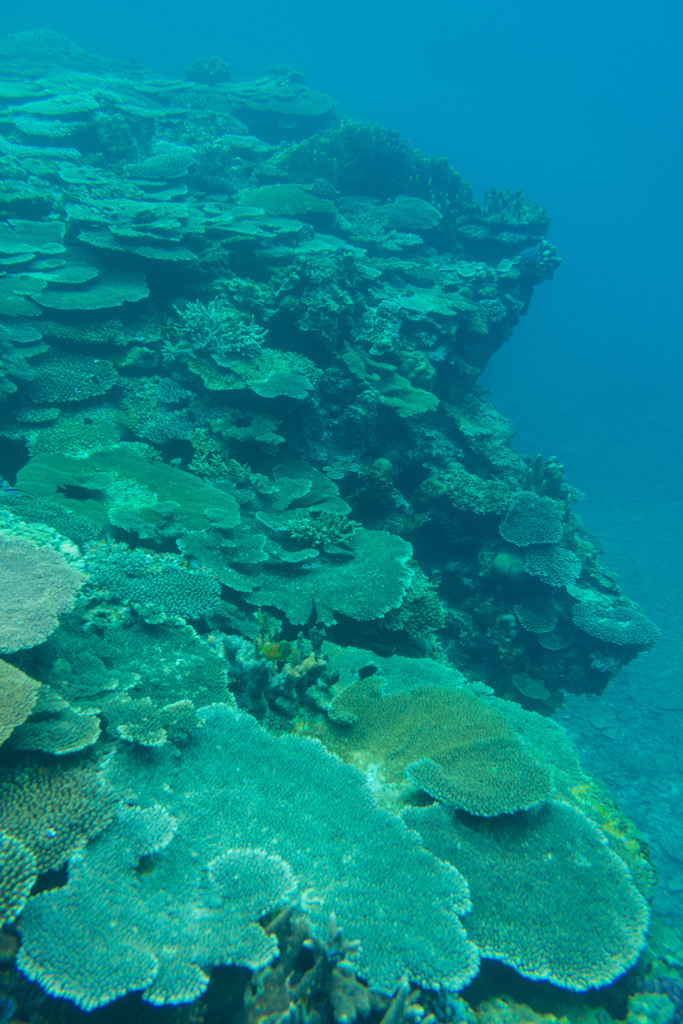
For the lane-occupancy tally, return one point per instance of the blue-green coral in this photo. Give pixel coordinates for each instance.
(235, 789)
(549, 897)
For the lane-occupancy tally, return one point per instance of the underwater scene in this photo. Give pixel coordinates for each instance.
(307, 667)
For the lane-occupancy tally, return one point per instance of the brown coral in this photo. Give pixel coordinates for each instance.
(18, 695)
(52, 811)
(453, 743)
(36, 585)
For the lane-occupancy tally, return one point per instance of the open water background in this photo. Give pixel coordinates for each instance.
(579, 104)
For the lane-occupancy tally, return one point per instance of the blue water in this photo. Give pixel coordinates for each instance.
(579, 105)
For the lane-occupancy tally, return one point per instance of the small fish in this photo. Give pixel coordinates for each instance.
(15, 492)
(277, 652)
(312, 616)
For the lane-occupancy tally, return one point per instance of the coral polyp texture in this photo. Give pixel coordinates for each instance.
(263, 820)
(455, 744)
(37, 584)
(548, 895)
(18, 695)
(273, 575)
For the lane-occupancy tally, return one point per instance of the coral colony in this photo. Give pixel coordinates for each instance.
(283, 614)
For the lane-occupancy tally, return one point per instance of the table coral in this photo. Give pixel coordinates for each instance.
(37, 584)
(229, 803)
(18, 873)
(549, 897)
(532, 519)
(18, 695)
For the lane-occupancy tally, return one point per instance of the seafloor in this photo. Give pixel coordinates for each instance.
(287, 624)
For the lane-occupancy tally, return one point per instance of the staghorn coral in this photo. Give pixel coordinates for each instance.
(214, 326)
(322, 529)
(549, 897)
(37, 584)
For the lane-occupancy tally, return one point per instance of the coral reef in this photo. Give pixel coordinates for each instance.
(251, 489)
(52, 810)
(456, 745)
(18, 695)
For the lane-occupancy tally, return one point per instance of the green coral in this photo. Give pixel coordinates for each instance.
(127, 486)
(18, 874)
(358, 861)
(56, 727)
(141, 677)
(453, 743)
(364, 583)
(53, 810)
(215, 327)
(622, 625)
(549, 897)
(532, 519)
(553, 565)
(155, 585)
(105, 293)
(290, 200)
(70, 378)
(322, 529)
